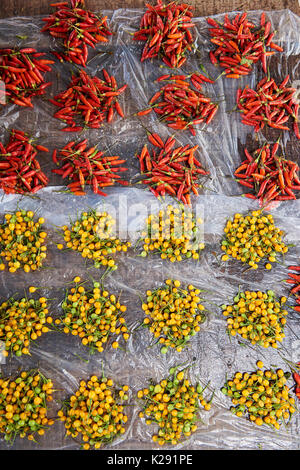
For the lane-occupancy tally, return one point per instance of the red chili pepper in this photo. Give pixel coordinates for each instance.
(119, 109)
(88, 167)
(296, 377)
(165, 29)
(88, 100)
(295, 289)
(77, 28)
(240, 43)
(20, 171)
(171, 171)
(296, 129)
(22, 83)
(268, 105)
(181, 107)
(144, 112)
(269, 175)
(294, 268)
(294, 279)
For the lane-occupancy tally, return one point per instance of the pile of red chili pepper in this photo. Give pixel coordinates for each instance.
(269, 105)
(22, 71)
(182, 107)
(87, 167)
(294, 279)
(268, 176)
(166, 30)
(296, 377)
(77, 28)
(168, 171)
(88, 101)
(240, 44)
(20, 172)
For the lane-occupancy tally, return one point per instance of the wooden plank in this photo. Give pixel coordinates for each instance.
(202, 7)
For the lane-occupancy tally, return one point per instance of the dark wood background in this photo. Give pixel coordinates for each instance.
(202, 7)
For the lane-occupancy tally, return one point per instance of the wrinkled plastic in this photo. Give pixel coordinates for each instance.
(214, 356)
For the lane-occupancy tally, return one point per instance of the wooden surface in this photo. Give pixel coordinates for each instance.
(202, 7)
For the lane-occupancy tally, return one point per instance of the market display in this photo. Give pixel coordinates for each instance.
(214, 293)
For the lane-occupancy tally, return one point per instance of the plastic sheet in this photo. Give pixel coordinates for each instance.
(212, 353)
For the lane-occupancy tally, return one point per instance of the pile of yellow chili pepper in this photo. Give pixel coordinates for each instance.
(93, 315)
(262, 396)
(173, 314)
(258, 317)
(174, 233)
(93, 235)
(95, 412)
(253, 237)
(173, 404)
(22, 241)
(23, 321)
(24, 405)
